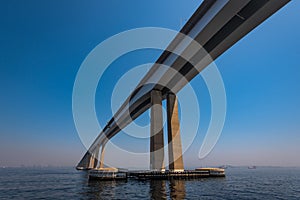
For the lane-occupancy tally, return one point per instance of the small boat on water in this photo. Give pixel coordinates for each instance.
(107, 174)
(252, 167)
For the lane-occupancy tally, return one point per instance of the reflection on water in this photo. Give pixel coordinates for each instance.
(160, 189)
(157, 189)
(177, 189)
(105, 189)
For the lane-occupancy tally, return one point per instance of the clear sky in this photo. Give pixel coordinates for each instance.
(43, 43)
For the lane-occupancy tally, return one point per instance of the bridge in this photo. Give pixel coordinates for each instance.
(215, 26)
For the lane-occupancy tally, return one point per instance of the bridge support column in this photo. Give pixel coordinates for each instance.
(102, 156)
(93, 162)
(156, 133)
(96, 158)
(174, 139)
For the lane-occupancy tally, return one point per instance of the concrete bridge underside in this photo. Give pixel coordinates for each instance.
(216, 26)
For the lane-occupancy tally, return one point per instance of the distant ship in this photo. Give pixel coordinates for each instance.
(252, 167)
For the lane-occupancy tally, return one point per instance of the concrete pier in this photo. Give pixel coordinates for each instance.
(94, 158)
(101, 165)
(89, 160)
(174, 139)
(156, 133)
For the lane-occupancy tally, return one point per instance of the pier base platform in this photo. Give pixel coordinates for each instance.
(186, 174)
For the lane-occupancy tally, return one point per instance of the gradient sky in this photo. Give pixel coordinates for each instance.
(43, 43)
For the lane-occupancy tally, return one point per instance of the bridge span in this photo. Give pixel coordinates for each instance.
(215, 26)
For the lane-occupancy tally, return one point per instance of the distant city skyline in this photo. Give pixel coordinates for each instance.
(44, 43)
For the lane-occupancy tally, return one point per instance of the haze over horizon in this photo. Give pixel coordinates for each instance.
(44, 43)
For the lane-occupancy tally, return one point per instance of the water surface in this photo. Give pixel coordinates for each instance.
(67, 183)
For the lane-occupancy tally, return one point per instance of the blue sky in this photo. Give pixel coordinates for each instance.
(43, 43)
